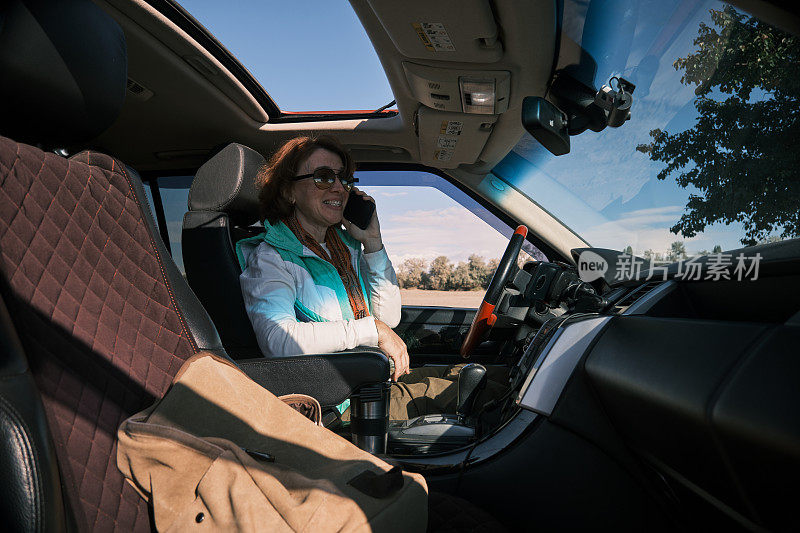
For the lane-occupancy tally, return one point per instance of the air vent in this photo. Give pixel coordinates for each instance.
(138, 91)
(633, 296)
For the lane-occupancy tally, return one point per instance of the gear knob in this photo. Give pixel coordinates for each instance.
(471, 379)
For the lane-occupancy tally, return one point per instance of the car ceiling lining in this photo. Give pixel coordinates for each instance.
(173, 64)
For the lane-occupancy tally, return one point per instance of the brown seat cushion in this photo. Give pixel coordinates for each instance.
(99, 322)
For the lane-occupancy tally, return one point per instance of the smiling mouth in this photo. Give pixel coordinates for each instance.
(334, 203)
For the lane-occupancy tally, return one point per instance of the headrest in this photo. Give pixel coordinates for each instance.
(226, 183)
(63, 66)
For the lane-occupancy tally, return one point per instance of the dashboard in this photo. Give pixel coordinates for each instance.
(651, 405)
(549, 362)
(696, 380)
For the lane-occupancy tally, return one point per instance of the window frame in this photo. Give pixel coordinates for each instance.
(151, 179)
(551, 253)
(179, 16)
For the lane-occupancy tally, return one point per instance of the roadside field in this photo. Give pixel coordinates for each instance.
(467, 299)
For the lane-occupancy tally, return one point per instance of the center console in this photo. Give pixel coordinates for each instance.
(429, 434)
(437, 433)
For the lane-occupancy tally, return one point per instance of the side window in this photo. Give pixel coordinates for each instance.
(174, 194)
(443, 244)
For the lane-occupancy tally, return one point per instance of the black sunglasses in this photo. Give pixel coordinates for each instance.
(325, 177)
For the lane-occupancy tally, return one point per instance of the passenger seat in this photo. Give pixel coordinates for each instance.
(95, 318)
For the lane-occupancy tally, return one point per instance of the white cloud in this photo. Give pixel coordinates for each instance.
(454, 232)
(648, 229)
(386, 194)
(651, 216)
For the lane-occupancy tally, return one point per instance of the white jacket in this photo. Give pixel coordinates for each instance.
(291, 295)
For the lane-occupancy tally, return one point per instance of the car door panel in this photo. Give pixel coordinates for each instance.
(434, 335)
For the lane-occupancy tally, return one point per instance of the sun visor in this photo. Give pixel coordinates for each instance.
(447, 140)
(453, 30)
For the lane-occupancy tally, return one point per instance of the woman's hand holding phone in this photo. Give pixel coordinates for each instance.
(370, 236)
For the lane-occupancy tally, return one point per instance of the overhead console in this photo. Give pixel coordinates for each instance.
(461, 91)
(448, 139)
(458, 112)
(452, 56)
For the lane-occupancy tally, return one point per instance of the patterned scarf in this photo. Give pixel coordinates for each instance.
(339, 257)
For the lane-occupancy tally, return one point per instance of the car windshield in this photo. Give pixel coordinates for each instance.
(707, 161)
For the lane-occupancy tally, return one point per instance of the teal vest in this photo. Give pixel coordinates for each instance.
(321, 272)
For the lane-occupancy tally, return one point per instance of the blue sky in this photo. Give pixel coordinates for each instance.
(315, 55)
(430, 225)
(308, 55)
(604, 189)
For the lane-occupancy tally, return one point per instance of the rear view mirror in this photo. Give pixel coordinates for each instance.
(547, 124)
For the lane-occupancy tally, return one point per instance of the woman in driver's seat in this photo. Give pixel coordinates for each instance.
(312, 286)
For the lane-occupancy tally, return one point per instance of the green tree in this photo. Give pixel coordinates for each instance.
(478, 269)
(629, 250)
(717, 249)
(676, 252)
(770, 239)
(489, 272)
(438, 276)
(462, 278)
(410, 272)
(743, 153)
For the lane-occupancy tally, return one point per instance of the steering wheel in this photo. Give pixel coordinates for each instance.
(485, 318)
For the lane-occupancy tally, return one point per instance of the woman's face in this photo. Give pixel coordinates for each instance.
(315, 207)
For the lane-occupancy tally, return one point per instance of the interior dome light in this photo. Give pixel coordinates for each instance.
(477, 96)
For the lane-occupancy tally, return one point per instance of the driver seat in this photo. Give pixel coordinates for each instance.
(223, 206)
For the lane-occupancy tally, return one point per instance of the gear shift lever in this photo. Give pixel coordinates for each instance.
(471, 379)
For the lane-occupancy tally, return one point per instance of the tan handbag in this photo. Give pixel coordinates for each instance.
(222, 453)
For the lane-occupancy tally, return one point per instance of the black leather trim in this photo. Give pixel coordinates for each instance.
(330, 378)
(32, 496)
(197, 320)
(226, 183)
(213, 272)
(23, 494)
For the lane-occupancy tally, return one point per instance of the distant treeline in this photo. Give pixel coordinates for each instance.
(442, 275)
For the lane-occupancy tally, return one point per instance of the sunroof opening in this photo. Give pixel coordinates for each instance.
(309, 55)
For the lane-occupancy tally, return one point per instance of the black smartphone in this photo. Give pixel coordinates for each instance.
(358, 211)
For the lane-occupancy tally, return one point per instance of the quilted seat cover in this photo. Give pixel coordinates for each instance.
(96, 315)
